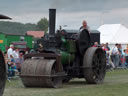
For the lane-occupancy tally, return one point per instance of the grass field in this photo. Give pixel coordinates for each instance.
(115, 84)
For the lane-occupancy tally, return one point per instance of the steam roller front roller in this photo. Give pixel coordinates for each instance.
(94, 63)
(40, 72)
(2, 73)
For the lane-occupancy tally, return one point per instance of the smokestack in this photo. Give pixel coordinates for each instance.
(52, 20)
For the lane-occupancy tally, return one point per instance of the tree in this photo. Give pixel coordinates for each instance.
(16, 28)
(43, 24)
(30, 26)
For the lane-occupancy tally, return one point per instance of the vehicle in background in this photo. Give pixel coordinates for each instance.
(7, 39)
(21, 45)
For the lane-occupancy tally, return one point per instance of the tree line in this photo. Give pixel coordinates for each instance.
(18, 28)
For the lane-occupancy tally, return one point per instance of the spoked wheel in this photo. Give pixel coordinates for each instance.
(94, 65)
(2, 73)
(40, 73)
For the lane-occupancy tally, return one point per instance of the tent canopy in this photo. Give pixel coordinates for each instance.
(113, 33)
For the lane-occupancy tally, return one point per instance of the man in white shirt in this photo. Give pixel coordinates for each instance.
(16, 53)
(10, 51)
(115, 55)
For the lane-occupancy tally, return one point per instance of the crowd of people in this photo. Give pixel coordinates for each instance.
(14, 59)
(115, 57)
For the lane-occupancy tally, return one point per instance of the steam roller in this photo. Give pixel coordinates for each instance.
(2, 65)
(62, 56)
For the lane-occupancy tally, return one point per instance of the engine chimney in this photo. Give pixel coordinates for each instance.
(52, 20)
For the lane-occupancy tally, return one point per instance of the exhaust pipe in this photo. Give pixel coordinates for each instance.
(52, 20)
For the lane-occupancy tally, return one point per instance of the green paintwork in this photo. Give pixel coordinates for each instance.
(29, 40)
(12, 38)
(8, 39)
(4, 43)
(66, 58)
(71, 46)
(68, 54)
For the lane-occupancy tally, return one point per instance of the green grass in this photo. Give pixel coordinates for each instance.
(115, 84)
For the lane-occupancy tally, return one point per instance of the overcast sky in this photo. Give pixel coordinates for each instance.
(69, 12)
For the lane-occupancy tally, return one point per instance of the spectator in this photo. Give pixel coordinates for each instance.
(127, 49)
(11, 62)
(15, 53)
(16, 57)
(107, 46)
(124, 60)
(115, 55)
(124, 52)
(104, 47)
(11, 67)
(10, 51)
(107, 55)
(120, 49)
(96, 44)
(120, 54)
(20, 61)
